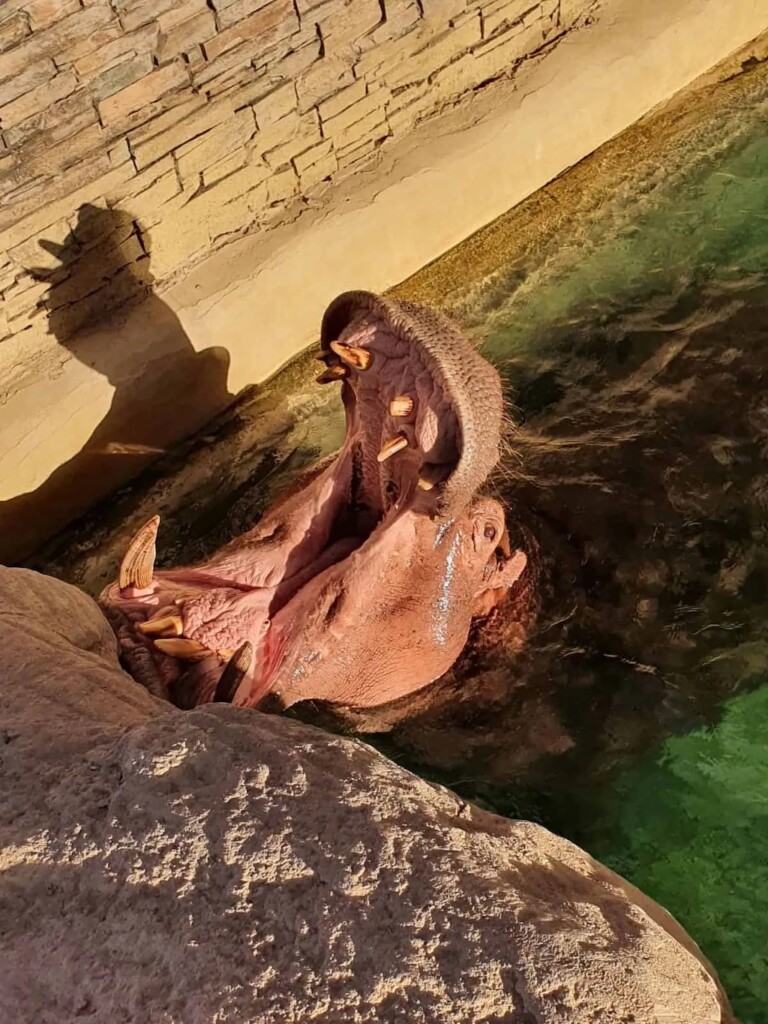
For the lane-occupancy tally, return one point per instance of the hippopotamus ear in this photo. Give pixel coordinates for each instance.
(504, 546)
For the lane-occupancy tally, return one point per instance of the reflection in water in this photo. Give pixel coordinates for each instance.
(636, 720)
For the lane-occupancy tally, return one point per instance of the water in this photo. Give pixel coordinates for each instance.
(626, 307)
(637, 722)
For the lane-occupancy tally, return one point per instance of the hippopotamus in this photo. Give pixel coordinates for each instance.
(360, 584)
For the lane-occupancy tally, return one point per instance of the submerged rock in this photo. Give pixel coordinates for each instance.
(224, 865)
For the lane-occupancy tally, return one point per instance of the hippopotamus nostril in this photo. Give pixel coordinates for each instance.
(352, 355)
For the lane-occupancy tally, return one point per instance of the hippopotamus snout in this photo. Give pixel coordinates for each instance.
(360, 585)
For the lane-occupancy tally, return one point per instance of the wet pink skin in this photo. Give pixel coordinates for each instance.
(359, 586)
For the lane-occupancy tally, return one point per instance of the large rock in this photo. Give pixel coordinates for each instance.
(227, 866)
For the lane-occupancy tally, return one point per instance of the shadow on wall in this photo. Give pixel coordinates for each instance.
(163, 389)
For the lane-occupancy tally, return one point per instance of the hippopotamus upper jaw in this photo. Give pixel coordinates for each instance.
(453, 426)
(360, 584)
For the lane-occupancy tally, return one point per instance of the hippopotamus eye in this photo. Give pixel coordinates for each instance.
(490, 532)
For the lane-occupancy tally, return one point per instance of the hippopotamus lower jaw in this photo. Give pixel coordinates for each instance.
(360, 584)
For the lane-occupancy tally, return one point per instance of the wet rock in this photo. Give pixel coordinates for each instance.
(220, 865)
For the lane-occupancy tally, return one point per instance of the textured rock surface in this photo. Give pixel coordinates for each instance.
(224, 866)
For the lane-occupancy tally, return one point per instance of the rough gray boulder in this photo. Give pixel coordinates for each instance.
(216, 866)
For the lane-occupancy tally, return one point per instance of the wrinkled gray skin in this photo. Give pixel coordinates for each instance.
(360, 585)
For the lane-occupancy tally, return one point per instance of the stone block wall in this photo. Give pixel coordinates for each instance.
(137, 135)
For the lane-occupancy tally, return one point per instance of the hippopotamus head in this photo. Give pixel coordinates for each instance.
(360, 584)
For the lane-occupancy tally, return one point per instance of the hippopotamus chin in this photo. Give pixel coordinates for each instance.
(358, 586)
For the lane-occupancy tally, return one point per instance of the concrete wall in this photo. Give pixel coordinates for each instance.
(183, 122)
(348, 143)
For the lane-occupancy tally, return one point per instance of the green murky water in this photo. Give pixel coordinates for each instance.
(631, 325)
(636, 724)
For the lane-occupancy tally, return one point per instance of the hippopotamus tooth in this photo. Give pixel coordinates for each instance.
(138, 564)
(167, 626)
(402, 405)
(392, 447)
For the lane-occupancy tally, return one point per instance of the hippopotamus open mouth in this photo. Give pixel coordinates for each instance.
(359, 585)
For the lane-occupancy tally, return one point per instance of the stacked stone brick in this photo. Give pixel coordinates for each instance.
(196, 120)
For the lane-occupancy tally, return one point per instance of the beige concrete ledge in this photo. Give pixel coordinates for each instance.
(244, 312)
